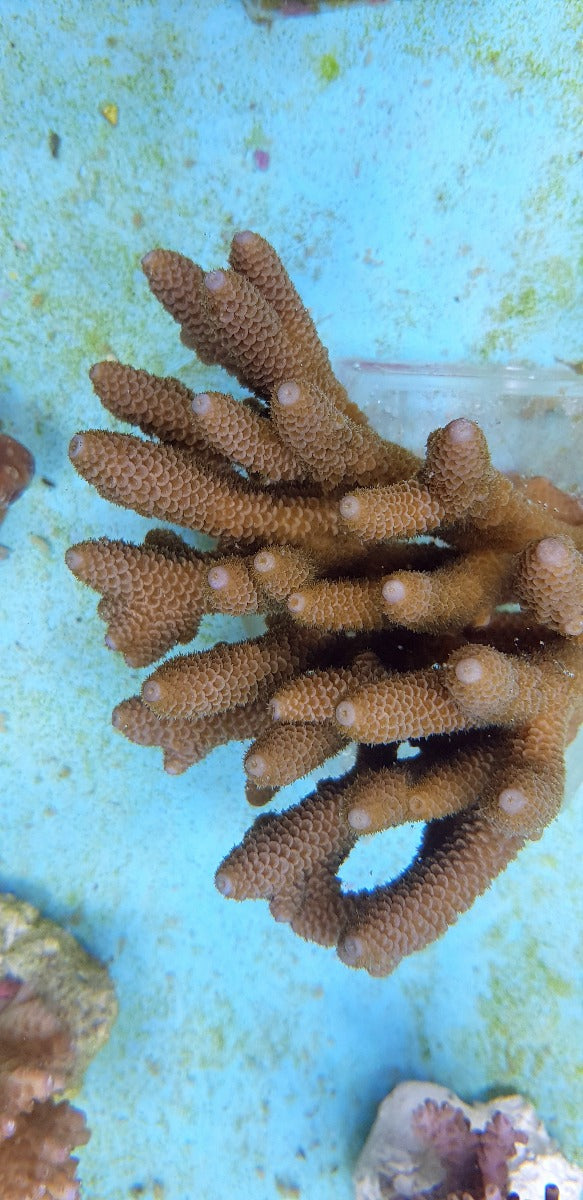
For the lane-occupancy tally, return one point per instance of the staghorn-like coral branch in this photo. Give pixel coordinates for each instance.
(458, 858)
(168, 483)
(285, 753)
(464, 592)
(152, 595)
(198, 685)
(161, 408)
(466, 642)
(549, 583)
(478, 685)
(244, 436)
(183, 741)
(343, 450)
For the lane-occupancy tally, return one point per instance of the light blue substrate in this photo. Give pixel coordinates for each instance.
(419, 173)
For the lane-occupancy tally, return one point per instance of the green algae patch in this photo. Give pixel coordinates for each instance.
(257, 136)
(534, 301)
(328, 68)
(521, 307)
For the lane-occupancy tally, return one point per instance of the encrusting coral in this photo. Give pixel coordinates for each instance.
(466, 643)
(57, 1006)
(37, 1135)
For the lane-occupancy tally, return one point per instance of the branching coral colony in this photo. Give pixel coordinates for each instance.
(374, 636)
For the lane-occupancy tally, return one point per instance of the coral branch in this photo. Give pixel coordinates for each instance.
(152, 595)
(183, 741)
(213, 681)
(165, 482)
(244, 436)
(458, 858)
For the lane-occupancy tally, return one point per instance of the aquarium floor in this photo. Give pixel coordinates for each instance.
(245, 1062)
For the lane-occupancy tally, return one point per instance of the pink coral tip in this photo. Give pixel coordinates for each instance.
(288, 394)
(214, 281)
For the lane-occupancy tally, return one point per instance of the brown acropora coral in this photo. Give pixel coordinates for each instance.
(37, 1134)
(465, 643)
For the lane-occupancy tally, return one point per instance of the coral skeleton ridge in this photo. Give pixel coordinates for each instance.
(436, 603)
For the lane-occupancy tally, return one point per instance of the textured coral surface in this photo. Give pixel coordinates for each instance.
(430, 612)
(37, 1135)
(61, 973)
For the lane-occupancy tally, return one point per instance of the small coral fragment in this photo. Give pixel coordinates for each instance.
(433, 606)
(16, 471)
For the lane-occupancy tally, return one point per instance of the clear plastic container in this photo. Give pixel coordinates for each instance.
(532, 416)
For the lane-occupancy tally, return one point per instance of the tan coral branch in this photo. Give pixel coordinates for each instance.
(458, 859)
(212, 681)
(165, 482)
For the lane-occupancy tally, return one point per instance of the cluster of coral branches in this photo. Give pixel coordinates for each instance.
(433, 604)
(37, 1134)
